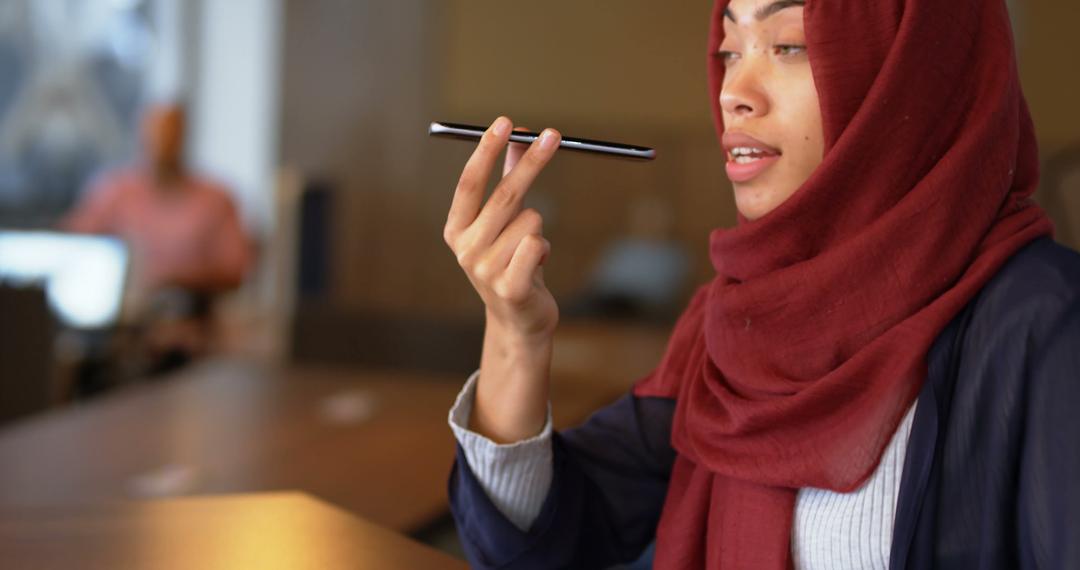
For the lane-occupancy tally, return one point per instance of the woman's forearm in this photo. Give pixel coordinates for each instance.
(512, 389)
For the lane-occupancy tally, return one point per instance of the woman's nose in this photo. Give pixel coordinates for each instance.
(742, 93)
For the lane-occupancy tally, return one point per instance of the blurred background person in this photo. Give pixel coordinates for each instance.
(187, 241)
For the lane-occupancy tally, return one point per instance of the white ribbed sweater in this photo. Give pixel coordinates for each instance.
(831, 530)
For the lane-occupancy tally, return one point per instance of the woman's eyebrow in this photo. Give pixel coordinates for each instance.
(767, 10)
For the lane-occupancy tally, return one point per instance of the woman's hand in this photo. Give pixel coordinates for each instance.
(501, 246)
(502, 249)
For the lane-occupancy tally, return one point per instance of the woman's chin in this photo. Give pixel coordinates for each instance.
(760, 196)
(753, 203)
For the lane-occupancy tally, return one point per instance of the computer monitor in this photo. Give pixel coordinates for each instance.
(84, 276)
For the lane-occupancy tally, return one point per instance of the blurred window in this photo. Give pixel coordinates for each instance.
(72, 77)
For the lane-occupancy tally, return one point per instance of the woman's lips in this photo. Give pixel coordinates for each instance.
(747, 156)
(747, 171)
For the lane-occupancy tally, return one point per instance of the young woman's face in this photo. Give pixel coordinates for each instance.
(773, 137)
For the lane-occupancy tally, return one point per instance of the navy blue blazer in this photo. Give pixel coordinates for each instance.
(991, 479)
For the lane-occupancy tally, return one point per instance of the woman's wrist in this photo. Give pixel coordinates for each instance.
(512, 390)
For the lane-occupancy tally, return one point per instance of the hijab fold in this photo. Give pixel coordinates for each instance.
(794, 366)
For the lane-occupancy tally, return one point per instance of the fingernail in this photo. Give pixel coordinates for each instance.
(547, 139)
(500, 126)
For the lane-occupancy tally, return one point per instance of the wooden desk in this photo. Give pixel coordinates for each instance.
(608, 355)
(233, 427)
(281, 530)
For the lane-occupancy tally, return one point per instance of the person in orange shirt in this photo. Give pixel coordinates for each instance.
(187, 242)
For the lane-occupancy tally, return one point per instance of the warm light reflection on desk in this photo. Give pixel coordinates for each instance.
(265, 531)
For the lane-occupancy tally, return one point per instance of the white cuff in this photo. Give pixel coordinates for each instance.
(515, 476)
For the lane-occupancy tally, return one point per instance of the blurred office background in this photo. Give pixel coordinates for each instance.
(313, 113)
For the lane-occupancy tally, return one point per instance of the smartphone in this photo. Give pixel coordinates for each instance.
(473, 132)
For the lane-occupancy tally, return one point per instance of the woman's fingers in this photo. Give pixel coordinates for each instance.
(514, 151)
(498, 244)
(469, 194)
(497, 258)
(524, 269)
(505, 201)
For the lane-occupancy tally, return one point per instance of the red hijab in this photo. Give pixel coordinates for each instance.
(795, 365)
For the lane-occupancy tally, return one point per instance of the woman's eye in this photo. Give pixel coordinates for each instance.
(789, 49)
(727, 56)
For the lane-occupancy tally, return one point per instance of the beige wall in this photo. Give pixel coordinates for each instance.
(602, 63)
(1051, 78)
(1050, 70)
(362, 81)
(624, 70)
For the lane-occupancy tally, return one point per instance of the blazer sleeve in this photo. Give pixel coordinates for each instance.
(1049, 499)
(609, 480)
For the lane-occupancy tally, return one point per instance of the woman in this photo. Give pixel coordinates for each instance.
(883, 373)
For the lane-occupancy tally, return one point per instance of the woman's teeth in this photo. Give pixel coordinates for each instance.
(744, 155)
